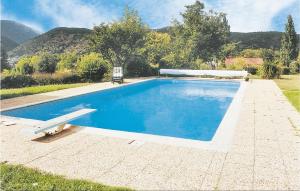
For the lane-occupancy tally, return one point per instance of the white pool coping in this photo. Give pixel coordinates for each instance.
(221, 141)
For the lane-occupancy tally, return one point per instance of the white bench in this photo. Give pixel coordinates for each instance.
(60, 122)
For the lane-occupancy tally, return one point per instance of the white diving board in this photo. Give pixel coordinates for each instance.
(59, 122)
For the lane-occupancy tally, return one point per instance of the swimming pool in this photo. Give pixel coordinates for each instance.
(190, 109)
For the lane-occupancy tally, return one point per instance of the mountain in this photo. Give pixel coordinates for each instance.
(57, 40)
(7, 44)
(14, 33)
(271, 39)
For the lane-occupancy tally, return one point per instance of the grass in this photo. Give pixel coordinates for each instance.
(17, 92)
(290, 86)
(17, 177)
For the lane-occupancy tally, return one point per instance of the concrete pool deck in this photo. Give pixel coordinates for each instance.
(264, 155)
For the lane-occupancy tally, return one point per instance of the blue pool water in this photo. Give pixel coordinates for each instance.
(176, 108)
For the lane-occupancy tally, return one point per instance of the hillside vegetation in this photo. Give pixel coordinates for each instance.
(58, 40)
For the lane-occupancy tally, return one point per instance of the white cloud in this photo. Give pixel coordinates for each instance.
(252, 15)
(74, 13)
(243, 15)
(160, 13)
(6, 16)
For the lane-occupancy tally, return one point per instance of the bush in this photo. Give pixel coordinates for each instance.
(24, 66)
(67, 61)
(295, 67)
(92, 67)
(138, 66)
(251, 70)
(56, 78)
(46, 63)
(269, 71)
(17, 81)
(285, 70)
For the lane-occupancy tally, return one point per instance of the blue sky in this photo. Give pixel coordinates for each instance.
(243, 15)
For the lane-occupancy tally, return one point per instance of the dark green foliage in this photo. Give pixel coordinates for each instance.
(295, 67)
(269, 71)
(47, 63)
(17, 177)
(138, 66)
(251, 70)
(285, 70)
(256, 40)
(17, 81)
(289, 43)
(119, 41)
(268, 55)
(4, 62)
(206, 32)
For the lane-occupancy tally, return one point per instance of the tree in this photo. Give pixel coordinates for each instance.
(24, 65)
(289, 43)
(119, 41)
(4, 62)
(46, 63)
(206, 31)
(156, 47)
(92, 66)
(67, 61)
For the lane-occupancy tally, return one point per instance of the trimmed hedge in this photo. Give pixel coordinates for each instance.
(19, 81)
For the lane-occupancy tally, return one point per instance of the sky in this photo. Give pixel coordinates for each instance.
(243, 15)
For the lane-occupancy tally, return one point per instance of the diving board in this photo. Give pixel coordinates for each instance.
(220, 73)
(59, 122)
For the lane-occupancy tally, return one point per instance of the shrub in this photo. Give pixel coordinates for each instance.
(269, 71)
(92, 67)
(252, 70)
(24, 66)
(138, 66)
(67, 61)
(295, 67)
(285, 70)
(17, 81)
(46, 63)
(56, 78)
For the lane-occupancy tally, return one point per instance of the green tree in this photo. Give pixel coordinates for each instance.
(67, 61)
(24, 65)
(46, 63)
(206, 31)
(156, 47)
(289, 43)
(92, 66)
(4, 61)
(120, 41)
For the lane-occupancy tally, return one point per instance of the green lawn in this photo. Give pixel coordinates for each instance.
(17, 177)
(290, 86)
(10, 93)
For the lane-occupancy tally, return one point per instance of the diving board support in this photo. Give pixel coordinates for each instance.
(60, 122)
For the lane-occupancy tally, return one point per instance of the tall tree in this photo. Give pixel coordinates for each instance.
(289, 43)
(207, 31)
(119, 42)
